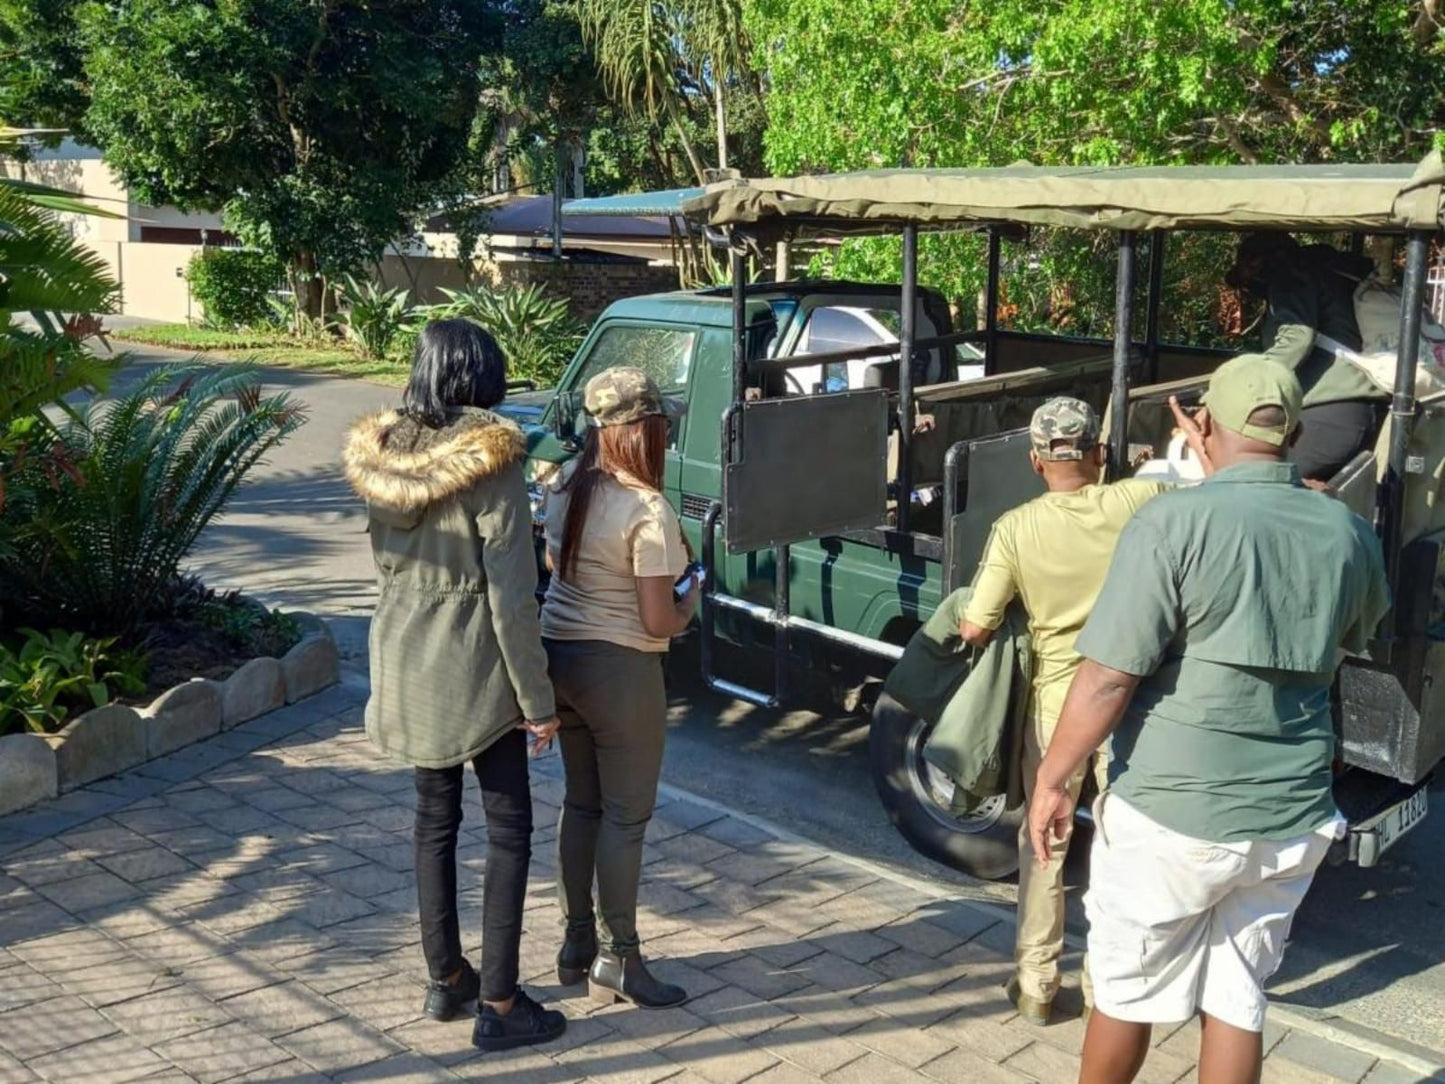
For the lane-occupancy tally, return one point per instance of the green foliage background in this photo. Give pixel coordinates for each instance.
(859, 84)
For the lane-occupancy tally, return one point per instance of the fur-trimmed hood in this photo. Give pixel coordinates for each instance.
(395, 462)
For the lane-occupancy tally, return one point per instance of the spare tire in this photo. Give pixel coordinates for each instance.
(917, 796)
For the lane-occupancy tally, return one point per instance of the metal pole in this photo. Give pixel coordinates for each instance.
(905, 374)
(740, 325)
(784, 264)
(782, 603)
(559, 180)
(1156, 295)
(1402, 402)
(1123, 329)
(990, 301)
(953, 463)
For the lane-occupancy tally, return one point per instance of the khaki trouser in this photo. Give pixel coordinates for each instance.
(613, 707)
(1040, 941)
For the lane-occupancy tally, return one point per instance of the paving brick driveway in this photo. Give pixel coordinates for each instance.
(244, 910)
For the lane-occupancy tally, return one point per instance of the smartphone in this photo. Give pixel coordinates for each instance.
(693, 573)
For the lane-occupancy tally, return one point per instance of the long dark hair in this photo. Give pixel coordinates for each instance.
(457, 364)
(638, 450)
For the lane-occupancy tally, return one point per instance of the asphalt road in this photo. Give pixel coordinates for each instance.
(1368, 947)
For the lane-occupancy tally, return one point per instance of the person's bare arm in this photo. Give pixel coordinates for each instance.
(663, 616)
(1095, 704)
(975, 635)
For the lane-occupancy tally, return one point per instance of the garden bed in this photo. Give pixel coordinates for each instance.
(121, 735)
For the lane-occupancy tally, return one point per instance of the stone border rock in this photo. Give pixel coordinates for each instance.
(116, 738)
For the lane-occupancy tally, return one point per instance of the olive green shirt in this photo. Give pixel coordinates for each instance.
(1314, 294)
(1232, 600)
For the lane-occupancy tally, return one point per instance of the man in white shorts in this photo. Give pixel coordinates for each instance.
(1211, 649)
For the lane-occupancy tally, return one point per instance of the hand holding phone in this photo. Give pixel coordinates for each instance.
(694, 575)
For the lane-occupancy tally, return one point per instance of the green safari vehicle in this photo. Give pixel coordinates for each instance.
(837, 493)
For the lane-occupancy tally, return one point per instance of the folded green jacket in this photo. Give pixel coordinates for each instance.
(976, 699)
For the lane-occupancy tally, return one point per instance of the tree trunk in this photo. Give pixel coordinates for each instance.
(308, 284)
(722, 123)
(687, 147)
(579, 169)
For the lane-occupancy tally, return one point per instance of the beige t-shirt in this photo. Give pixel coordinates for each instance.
(631, 531)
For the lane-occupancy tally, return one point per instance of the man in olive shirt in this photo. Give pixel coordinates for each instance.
(1309, 296)
(1052, 554)
(1212, 649)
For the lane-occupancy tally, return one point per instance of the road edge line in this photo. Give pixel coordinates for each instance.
(1375, 1045)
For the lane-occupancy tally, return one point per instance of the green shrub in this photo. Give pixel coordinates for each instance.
(147, 472)
(52, 675)
(535, 331)
(233, 285)
(374, 316)
(249, 626)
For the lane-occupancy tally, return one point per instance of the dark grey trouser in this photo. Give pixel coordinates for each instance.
(613, 708)
(1332, 434)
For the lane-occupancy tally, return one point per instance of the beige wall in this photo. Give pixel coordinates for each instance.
(151, 284)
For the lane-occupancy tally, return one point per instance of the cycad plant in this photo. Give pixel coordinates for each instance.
(535, 331)
(148, 472)
(44, 273)
(374, 315)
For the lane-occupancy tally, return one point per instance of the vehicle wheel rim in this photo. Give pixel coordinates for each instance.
(934, 790)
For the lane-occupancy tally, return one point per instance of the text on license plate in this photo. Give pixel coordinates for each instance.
(1403, 817)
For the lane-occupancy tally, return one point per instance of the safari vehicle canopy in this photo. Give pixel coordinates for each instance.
(853, 467)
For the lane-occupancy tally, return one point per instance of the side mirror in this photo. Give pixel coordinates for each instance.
(568, 419)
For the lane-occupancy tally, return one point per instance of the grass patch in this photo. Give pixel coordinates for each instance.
(189, 337)
(270, 348)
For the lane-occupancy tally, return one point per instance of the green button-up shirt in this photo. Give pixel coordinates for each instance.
(1232, 600)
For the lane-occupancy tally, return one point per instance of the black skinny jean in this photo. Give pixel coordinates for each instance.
(507, 801)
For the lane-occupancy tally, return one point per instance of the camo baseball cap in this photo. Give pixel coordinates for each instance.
(625, 395)
(1064, 419)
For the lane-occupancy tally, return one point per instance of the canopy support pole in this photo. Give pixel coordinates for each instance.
(1157, 248)
(1402, 403)
(1123, 330)
(909, 301)
(990, 303)
(740, 324)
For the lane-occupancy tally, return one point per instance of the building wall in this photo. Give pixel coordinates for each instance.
(152, 282)
(588, 285)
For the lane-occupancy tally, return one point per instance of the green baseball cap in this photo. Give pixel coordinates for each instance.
(1064, 420)
(1248, 383)
(624, 395)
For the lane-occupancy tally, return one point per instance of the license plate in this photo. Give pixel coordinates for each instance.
(1398, 820)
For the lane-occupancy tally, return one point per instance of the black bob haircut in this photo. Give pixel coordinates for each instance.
(457, 364)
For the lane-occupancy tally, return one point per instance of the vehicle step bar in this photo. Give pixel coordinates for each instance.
(777, 616)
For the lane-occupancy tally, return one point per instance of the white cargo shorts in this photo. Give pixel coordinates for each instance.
(1179, 925)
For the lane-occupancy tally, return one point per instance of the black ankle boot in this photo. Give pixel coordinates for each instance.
(579, 949)
(446, 1001)
(617, 978)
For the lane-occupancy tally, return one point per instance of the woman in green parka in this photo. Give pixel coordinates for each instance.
(458, 672)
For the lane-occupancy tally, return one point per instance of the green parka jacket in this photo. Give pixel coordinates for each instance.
(456, 650)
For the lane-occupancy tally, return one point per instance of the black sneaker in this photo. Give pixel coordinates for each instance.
(446, 1001)
(526, 1025)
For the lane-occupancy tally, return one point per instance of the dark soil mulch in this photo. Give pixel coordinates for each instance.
(179, 650)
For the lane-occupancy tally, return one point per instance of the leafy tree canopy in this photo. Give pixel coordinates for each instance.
(42, 84)
(857, 84)
(320, 126)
